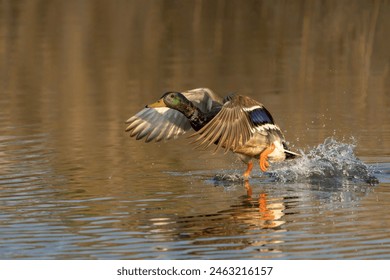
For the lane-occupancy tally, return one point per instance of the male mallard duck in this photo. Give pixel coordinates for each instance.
(237, 123)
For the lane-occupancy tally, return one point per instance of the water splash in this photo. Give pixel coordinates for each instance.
(330, 162)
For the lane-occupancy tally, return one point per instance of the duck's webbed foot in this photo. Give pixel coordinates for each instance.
(264, 164)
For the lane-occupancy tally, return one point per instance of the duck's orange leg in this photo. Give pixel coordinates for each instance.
(264, 156)
(248, 170)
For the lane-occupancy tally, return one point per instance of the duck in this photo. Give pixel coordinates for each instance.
(234, 123)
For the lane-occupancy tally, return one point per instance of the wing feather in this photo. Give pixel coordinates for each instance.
(165, 123)
(231, 127)
(157, 124)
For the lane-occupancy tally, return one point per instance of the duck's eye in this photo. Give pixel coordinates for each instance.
(174, 99)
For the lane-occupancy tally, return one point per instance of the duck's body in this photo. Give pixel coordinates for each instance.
(237, 123)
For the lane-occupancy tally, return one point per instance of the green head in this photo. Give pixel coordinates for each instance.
(173, 100)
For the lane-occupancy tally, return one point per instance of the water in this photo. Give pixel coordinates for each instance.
(73, 185)
(331, 162)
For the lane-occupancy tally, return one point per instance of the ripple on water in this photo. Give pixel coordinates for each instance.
(294, 211)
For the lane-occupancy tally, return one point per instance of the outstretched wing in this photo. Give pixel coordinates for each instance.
(165, 123)
(238, 120)
(157, 124)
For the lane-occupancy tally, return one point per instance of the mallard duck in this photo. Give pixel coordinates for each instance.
(237, 123)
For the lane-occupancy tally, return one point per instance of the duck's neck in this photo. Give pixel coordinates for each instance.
(197, 118)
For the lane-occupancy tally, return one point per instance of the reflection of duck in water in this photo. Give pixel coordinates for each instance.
(251, 214)
(270, 210)
(237, 123)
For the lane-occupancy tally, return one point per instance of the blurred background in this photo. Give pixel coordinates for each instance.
(319, 66)
(72, 72)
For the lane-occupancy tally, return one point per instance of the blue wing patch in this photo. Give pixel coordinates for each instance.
(260, 116)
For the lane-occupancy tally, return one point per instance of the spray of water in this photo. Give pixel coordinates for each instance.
(330, 162)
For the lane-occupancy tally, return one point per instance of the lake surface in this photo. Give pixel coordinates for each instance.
(74, 185)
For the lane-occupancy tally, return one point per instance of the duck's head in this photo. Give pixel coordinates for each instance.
(173, 100)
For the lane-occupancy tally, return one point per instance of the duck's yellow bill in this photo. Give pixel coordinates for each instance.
(159, 103)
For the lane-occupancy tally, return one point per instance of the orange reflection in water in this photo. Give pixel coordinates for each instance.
(270, 211)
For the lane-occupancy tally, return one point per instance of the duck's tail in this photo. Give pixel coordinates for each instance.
(289, 154)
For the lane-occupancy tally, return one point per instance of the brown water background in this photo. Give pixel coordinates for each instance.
(74, 185)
